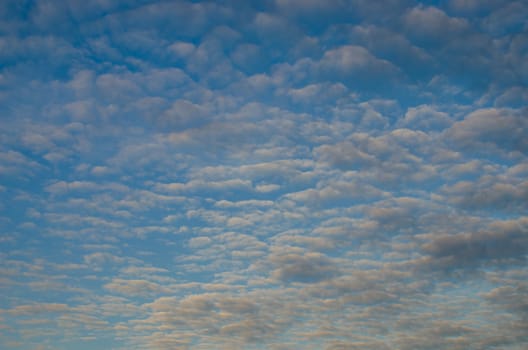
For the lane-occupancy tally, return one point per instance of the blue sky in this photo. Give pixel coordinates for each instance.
(288, 174)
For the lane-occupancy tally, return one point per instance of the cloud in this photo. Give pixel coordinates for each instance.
(234, 321)
(335, 193)
(388, 158)
(507, 17)
(425, 117)
(281, 174)
(62, 187)
(305, 268)
(134, 287)
(12, 162)
(357, 345)
(199, 185)
(38, 308)
(495, 129)
(182, 49)
(352, 64)
(182, 115)
(510, 297)
(113, 87)
(429, 25)
(504, 242)
(490, 193)
(197, 242)
(346, 155)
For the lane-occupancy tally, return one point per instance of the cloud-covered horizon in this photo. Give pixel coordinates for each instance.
(279, 174)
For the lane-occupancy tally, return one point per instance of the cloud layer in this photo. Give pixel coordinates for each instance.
(263, 175)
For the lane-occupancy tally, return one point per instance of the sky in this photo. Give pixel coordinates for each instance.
(275, 174)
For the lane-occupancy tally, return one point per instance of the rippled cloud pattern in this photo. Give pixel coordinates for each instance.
(276, 174)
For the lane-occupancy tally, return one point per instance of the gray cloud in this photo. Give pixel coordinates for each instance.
(497, 193)
(487, 129)
(429, 25)
(303, 268)
(425, 117)
(503, 243)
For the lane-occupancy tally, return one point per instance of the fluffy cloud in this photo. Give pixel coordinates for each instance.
(304, 268)
(504, 242)
(263, 175)
(491, 128)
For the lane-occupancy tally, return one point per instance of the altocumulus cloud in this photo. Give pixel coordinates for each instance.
(281, 174)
